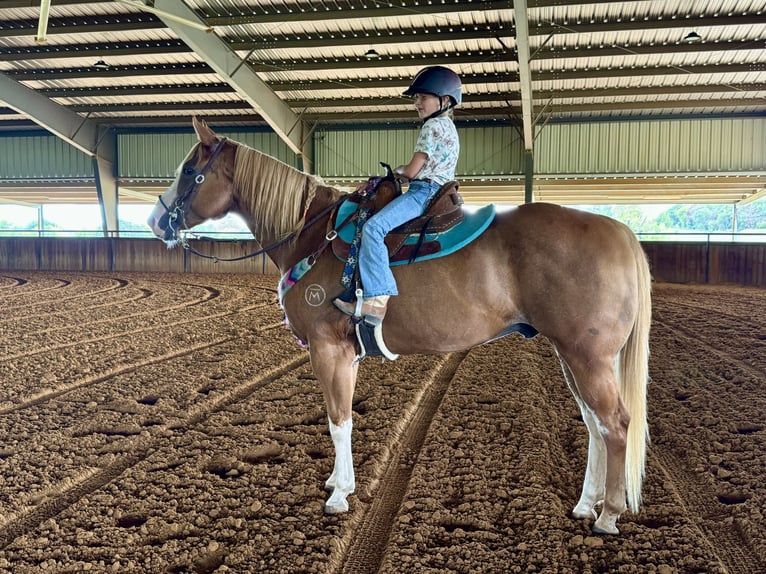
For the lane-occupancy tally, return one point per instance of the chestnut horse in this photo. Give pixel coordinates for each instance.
(580, 279)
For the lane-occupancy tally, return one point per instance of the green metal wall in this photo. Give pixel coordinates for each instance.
(42, 157)
(484, 151)
(652, 146)
(717, 145)
(158, 155)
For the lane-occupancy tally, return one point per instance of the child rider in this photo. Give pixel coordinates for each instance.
(436, 90)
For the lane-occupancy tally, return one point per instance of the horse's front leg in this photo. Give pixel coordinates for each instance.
(333, 364)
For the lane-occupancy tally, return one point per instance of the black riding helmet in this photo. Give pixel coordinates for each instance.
(439, 81)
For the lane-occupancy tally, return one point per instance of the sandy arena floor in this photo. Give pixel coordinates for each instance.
(170, 423)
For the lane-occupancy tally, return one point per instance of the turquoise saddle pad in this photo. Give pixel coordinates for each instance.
(473, 225)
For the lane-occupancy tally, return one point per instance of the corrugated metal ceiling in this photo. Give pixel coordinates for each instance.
(588, 60)
(596, 60)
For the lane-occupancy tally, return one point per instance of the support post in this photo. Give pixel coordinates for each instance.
(106, 188)
(529, 172)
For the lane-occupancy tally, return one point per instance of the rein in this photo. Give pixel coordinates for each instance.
(330, 236)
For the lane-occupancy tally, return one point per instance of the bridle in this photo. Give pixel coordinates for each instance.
(176, 211)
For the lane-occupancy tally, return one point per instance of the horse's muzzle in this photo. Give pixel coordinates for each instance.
(160, 226)
(163, 226)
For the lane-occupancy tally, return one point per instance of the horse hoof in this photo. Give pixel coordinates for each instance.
(605, 530)
(336, 509)
(584, 513)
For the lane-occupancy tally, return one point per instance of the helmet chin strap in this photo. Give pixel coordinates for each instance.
(441, 109)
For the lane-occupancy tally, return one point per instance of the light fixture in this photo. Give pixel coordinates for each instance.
(371, 54)
(101, 65)
(692, 38)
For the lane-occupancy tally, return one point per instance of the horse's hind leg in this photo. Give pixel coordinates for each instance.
(607, 421)
(595, 471)
(334, 368)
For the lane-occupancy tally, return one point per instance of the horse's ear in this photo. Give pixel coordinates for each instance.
(204, 133)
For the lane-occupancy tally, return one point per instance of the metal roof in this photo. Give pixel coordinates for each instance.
(525, 62)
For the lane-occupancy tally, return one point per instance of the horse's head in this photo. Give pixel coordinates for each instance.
(203, 188)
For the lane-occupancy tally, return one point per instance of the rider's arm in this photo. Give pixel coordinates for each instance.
(413, 168)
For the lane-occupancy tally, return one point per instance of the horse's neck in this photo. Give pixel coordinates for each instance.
(311, 236)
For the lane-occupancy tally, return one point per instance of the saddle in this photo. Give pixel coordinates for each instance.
(424, 237)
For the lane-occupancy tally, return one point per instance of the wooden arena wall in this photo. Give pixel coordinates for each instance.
(115, 255)
(713, 263)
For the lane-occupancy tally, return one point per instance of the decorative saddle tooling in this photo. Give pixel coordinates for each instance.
(443, 228)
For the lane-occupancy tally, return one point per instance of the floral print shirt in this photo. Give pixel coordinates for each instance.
(439, 140)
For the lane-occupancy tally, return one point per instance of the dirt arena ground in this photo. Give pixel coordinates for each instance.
(170, 423)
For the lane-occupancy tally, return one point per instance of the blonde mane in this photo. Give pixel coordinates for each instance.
(273, 192)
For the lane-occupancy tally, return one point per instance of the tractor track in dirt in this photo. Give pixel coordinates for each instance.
(694, 339)
(142, 294)
(141, 449)
(362, 550)
(17, 282)
(702, 507)
(118, 284)
(122, 369)
(132, 332)
(62, 283)
(209, 294)
(56, 392)
(699, 308)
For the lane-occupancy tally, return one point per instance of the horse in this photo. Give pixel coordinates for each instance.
(582, 280)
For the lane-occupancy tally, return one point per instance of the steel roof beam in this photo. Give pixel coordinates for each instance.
(525, 73)
(122, 71)
(240, 118)
(222, 87)
(558, 52)
(547, 27)
(286, 12)
(240, 104)
(464, 57)
(541, 94)
(31, 3)
(364, 37)
(755, 195)
(101, 50)
(292, 12)
(87, 25)
(230, 68)
(84, 134)
(93, 50)
(211, 109)
(27, 53)
(627, 71)
(197, 68)
(649, 90)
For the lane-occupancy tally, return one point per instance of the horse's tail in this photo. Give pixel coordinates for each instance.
(634, 377)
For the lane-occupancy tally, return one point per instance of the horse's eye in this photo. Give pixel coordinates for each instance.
(188, 170)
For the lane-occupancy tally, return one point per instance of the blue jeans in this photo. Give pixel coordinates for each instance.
(374, 269)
